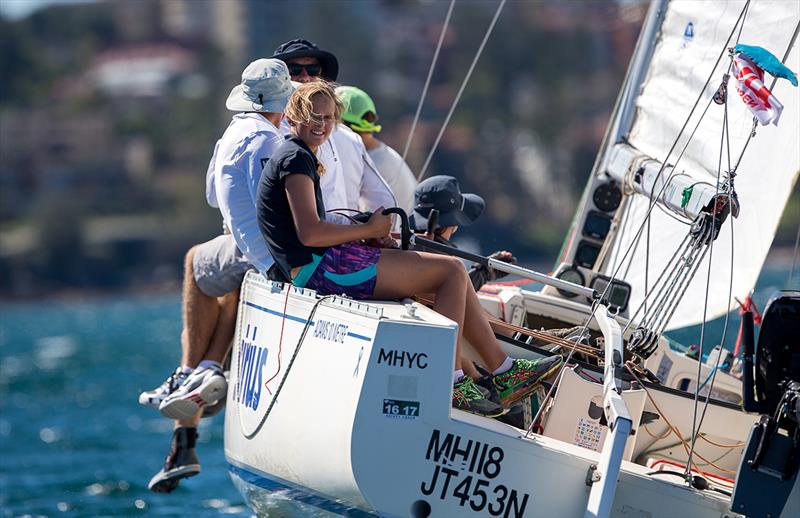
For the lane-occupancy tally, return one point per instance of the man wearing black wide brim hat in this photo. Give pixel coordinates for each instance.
(351, 181)
(306, 61)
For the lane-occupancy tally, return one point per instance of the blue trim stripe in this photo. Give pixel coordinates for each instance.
(278, 313)
(301, 320)
(294, 491)
(360, 337)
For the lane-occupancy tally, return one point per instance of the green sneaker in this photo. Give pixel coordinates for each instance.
(523, 377)
(467, 397)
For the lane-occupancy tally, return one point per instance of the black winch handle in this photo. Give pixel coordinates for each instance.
(405, 229)
(406, 237)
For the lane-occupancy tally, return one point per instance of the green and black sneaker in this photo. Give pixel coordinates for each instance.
(516, 413)
(523, 377)
(467, 397)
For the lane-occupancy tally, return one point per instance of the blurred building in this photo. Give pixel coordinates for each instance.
(104, 158)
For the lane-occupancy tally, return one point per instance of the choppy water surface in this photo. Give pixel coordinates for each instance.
(73, 439)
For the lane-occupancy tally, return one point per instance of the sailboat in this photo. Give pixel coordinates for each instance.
(344, 407)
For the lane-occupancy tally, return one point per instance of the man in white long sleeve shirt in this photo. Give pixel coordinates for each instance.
(215, 269)
(360, 115)
(351, 180)
(232, 181)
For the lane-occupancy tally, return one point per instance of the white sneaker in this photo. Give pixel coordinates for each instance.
(202, 387)
(153, 398)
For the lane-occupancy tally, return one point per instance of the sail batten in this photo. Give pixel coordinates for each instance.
(691, 38)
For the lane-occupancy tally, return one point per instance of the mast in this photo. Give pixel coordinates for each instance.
(667, 163)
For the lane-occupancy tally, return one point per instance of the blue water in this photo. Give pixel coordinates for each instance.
(771, 280)
(73, 439)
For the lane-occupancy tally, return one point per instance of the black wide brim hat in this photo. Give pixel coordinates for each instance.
(300, 48)
(470, 210)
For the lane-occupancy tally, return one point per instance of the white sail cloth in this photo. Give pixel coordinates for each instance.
(692, 36)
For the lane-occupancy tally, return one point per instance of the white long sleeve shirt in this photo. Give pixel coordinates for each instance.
(397, 174)
(235, 168)
(232, 181)
(364, 185)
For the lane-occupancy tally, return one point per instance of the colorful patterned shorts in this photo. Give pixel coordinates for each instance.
(348, 269)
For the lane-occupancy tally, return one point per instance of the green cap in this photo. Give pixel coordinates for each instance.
(356, 105)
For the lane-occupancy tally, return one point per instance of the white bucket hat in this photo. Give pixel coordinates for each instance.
(265, 87)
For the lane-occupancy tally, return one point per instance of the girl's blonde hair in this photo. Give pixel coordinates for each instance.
(300, 109)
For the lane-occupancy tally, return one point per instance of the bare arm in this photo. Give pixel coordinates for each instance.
(313, 231)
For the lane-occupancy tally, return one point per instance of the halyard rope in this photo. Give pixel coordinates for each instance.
(730, 288)
(647, 215)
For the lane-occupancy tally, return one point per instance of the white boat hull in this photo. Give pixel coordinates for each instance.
(363, 423)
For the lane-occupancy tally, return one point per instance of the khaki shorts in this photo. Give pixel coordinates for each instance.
(219, 266)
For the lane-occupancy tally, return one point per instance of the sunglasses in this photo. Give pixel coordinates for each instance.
(295, 69)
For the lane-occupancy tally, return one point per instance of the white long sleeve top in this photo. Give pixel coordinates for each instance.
(397, 174)
(365, 187)
(232, 181)
(235, 168)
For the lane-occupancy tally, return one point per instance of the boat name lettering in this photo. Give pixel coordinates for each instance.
(403, 359)
(249, 375)
(460, 467)
(330, 331)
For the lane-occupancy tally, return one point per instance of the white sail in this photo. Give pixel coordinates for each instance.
(691, 38)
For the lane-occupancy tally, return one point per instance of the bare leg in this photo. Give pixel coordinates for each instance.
(469, 369)
(226, 325)
(188, 422)
(200, 314)
(403, 274)
(479, 333)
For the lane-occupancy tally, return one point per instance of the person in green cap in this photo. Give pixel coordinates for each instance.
(360, 115)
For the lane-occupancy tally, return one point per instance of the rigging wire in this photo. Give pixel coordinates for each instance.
(730, 282)
(461, 89)
(673, 216)
(732, 174)
(688, 472)
(652, 201)
(797, 239)
(427, 84)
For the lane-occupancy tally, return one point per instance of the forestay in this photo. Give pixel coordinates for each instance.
(692, 36)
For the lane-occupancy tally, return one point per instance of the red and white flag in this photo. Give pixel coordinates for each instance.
(751, 88)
